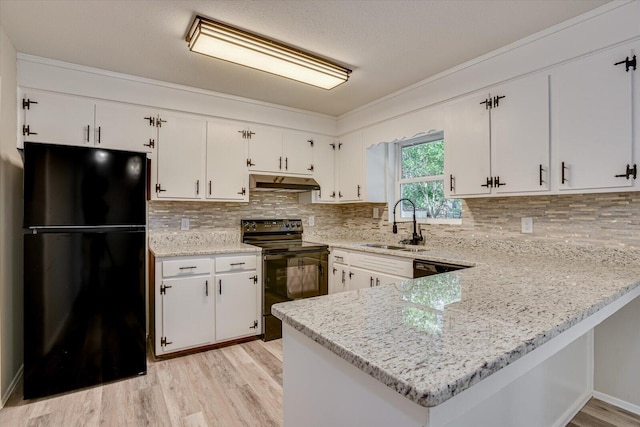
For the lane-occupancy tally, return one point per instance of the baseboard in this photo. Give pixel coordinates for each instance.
(617, 402)
(12, 386)
(573, 410)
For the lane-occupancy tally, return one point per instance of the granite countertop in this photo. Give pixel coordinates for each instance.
(170, 244)
(431, 338)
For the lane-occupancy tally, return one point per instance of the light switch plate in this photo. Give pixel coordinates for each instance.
(184, 224)
(312, 220)
(527, 225)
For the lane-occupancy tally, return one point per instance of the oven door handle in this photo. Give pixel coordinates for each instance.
(272, 257)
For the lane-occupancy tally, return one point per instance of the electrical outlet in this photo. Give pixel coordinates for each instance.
(527, 225)
(184, 224)
(312, 220)
(376, 213)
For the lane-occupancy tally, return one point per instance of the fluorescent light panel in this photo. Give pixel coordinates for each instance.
(231, 44)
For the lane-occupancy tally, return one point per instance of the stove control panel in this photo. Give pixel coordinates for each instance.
(271, 225)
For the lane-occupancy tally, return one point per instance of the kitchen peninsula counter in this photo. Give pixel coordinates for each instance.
(432, 338)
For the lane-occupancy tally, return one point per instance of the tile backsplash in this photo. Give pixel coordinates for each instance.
(610, 219)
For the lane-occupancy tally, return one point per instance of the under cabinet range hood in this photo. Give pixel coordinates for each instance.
(291, 184)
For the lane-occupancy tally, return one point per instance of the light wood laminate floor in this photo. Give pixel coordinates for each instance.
(240, 385)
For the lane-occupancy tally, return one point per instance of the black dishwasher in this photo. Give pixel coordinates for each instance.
(423, 268)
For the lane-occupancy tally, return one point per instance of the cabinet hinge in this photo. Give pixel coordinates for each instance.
(310, 168)
(489, 183)
(163, 289)
(255, 325)
(310, 141)
(243, 191)
(333, 146)
(159, 188)
(254, 278)
(249, 163)
(631, 171)
(488, 103)
(26, 103)
(496, 100)
(164, 342)
(152, 120)
(159, 122)
(151, 144)
(26, 131)
(628, 63)
(339, 146)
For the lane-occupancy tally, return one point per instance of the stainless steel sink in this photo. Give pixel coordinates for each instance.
(383, 246)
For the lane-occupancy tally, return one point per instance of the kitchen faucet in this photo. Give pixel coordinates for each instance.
(415, 238)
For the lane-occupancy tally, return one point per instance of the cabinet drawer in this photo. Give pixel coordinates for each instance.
(236, 263)
(340, 256)
(402, 267)
(186, 267)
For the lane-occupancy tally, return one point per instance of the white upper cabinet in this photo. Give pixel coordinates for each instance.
(324, 154)
(350, 168)
(498, 141)
(72, 120)
(180, 157)
(297, 150)
(265, 148)
(227, 177)
(592, 121)
(57, 119)
(520, 136)
(467, 154)
(125, 127)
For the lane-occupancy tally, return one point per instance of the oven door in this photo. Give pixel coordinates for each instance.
(288, 276)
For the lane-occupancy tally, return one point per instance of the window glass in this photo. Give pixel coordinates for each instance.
(421, 180)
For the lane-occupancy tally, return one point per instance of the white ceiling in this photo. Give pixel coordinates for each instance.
(389, 44)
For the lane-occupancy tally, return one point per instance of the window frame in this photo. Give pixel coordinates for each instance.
(432, 136)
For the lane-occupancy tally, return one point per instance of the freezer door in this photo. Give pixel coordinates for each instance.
(84, 308)
(79, 186)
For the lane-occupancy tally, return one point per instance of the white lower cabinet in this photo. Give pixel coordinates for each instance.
(186, 302)
(353, 270)
(198, 301)
(236, 301)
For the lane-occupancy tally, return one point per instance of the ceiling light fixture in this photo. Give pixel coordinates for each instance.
(234, 45)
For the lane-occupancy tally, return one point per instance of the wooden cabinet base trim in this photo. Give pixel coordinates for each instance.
(203, 348)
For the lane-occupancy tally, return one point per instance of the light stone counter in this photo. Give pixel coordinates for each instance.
(429, 339)
(197, 243)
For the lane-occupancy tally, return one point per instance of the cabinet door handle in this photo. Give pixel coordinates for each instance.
(286, 163)
(206, 287)
(377, 281)
(88, 131)
(358, 191)
(220, 286)
(343, 278)
(280, 166)
(540, 175)
(197, 187)
(563, 177)
(451, 183)
(209, 187)
(371, 281)
(99, 131)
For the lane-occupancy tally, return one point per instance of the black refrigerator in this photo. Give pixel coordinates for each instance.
(84, 267)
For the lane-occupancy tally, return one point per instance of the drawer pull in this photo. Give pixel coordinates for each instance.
(191, 267)
(206, 288)
(237, 263)
(220, 288)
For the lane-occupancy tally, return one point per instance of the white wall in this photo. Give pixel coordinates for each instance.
(11, 323)
(617, 356)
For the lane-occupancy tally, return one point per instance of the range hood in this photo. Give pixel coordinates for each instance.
(291, 184)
